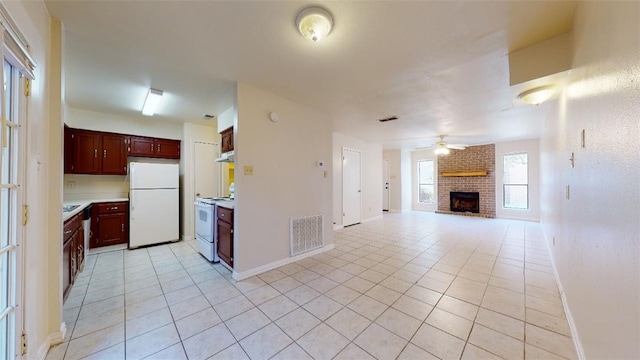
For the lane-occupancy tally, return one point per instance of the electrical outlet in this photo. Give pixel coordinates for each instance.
(71, 184)
(248, 169)
(554, 241)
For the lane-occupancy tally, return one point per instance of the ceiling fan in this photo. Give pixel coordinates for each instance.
(442, 148)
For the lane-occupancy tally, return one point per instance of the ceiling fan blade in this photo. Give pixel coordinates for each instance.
(457, 146)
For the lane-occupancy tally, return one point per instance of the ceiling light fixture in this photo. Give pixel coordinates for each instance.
(537, 95)
(151, 102)
(441, 149)
(314, 23)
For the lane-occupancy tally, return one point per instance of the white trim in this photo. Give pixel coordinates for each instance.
(53, 339)
(185, 238)
(522, 218)
(43, 350)
(337, 227)
(572, 325)
(379, 217)
(276, 264)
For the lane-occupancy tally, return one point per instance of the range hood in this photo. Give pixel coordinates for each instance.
(226, 157)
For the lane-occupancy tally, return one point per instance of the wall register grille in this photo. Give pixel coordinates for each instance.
(306, 234)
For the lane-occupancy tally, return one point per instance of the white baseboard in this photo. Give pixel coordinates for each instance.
(337, 227)
(53, 339)
(264, 268)
(572, 325)
(186, 238)
(522, 218)
(379, 217)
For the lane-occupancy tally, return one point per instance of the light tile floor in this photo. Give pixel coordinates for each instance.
(410, 286)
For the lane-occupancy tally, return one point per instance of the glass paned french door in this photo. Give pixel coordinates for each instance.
(10, 205)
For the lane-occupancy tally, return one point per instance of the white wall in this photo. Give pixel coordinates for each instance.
(192, 133)
(286, 182)
(406, 179)
(95, 187)
(226, 119)
(531, 147)
(415, 157)
(143, 125)
(371, 161)
(597, 241)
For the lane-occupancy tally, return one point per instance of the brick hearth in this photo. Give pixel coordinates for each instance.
(473, 158)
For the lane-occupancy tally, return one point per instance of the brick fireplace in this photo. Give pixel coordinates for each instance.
(473, 158)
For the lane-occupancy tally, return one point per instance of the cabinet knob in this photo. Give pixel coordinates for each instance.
(95, 152)
(105, 153)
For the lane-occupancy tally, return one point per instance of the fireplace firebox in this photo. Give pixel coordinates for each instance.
(465, 201)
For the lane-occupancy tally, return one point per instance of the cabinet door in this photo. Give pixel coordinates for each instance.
(86, 146)
(66, 268)
(114, 154)
(169, 149)
(79, 248)
(141, 146)
(69, 161)
(112, 229)
(74, 256)
(226, 140)
(225, 242)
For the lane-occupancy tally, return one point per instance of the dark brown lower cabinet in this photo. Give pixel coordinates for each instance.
(110, 224)
(72, 252)
(225, 235)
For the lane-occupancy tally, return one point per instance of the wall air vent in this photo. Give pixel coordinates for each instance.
(306, 234)
(388, 119)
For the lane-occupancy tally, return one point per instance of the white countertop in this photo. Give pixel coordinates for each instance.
(83, 204)
(229, 204)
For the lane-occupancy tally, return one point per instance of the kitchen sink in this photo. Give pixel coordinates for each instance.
(68, 208)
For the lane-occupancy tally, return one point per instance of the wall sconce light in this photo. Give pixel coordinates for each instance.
(314, 23)
(151, 102)
(537, 95)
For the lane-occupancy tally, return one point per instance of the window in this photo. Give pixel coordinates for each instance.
(426, 188)
(515, 182)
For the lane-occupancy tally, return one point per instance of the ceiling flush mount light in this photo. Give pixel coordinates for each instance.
(151, 102)
(537, 95)
(314, 23)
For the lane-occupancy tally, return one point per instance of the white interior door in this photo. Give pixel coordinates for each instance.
(206, 172)
(385, 185)
(351, 187)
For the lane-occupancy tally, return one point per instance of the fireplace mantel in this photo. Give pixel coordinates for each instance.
(464, 173)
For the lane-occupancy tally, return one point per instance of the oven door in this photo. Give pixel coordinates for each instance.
(204, 222)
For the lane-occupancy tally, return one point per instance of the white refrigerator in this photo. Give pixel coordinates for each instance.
(153, 203)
